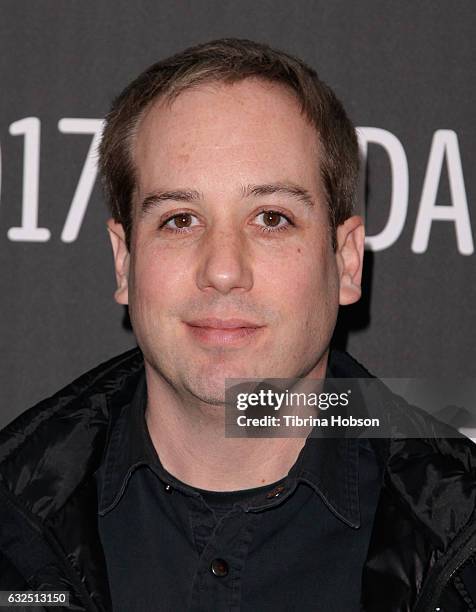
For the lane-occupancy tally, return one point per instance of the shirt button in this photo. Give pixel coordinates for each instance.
(219, 568)
(276, 492)
(168, 488)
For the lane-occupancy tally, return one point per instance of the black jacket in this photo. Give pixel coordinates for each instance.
(422, 550)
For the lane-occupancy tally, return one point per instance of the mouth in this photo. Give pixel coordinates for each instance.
(223, 332)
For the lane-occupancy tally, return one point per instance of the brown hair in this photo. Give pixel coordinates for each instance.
(229, 60)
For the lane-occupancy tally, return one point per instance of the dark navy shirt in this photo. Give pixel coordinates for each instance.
(298, 544)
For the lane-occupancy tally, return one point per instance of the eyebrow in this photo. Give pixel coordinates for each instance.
(191, 195)
(288, 189)
(177, 195)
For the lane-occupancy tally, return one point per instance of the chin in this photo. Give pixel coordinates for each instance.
(208, 383)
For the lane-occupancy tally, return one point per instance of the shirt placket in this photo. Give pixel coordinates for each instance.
(223, 551)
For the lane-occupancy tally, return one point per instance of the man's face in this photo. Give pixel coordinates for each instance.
(230, 228)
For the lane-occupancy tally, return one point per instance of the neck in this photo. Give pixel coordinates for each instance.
(189, 437)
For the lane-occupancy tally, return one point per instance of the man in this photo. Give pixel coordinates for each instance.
(230, 170)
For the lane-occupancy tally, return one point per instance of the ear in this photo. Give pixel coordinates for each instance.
(121, 261)
(350, 255)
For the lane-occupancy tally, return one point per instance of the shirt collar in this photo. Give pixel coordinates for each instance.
(329, 465)
(128, 447)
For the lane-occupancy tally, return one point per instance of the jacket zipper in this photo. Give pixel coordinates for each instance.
(428, 601)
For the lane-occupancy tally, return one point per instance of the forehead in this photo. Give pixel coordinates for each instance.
(221, 130)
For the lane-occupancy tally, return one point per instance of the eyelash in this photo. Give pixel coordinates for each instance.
(176, 230)
(268, 229)
(264, 229)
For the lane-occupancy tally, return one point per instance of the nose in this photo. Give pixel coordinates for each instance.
(224, 262)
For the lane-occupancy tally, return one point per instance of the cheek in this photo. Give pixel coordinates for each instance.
(304, 282)
(156, 285)
(315, 303)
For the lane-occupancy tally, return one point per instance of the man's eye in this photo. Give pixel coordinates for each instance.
(273, 220)
(180, 223)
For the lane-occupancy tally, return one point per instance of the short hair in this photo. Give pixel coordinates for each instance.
(230, 60)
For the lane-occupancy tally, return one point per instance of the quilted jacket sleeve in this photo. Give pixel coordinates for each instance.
(10, 578)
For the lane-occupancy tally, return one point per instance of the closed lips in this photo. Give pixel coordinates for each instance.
(213, 323)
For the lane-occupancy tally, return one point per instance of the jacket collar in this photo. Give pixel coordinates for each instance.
(59, 442)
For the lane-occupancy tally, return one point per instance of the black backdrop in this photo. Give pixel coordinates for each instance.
(406, 73)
